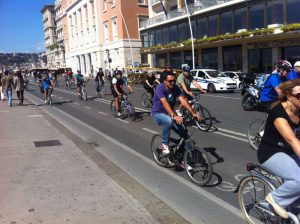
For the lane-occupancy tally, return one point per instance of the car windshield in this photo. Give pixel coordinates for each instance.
(215, 74)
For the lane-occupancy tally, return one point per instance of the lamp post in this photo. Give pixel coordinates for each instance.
(191, 30)
(123, 19)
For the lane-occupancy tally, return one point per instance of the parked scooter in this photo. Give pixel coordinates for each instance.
(250, 99)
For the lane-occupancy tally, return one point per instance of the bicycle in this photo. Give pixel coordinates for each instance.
(101, 90)
(206, 123)
(147, 98)
(257, 185)
(197, 163)
(49, 100)
(83, 93)
(255, 132)
(124, 104)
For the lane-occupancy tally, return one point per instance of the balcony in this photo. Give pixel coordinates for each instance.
(199, 5)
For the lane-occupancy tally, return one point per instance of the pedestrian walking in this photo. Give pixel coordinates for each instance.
(7, 86)
(1, 93)
(19, 87)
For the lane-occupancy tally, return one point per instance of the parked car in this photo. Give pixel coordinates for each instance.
(212, 80)
(236, 76)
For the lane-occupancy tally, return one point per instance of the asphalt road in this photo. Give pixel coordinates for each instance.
(226, 142)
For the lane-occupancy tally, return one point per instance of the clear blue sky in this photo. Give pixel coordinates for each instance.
(21, 25)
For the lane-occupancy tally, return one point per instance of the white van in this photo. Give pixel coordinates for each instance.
(212, 80)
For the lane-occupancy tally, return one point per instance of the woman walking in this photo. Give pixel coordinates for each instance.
(7, 86)
(19, 87)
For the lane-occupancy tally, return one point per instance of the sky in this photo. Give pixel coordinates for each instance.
(21, 26)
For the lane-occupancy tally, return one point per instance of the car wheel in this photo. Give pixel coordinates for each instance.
(211, 88)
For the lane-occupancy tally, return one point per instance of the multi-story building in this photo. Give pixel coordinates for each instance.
(50, 33)
(228, 35)
(119, 33)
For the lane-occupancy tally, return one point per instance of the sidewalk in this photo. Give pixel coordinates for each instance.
(55, 184)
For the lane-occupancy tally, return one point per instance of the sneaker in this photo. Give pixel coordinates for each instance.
(181, 165)
(119, 114)
(164, 149)
(178, 112)
(46, 101)
(278, 209)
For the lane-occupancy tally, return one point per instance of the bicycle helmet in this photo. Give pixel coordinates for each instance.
(284, 65)
(186, 68)
(118, 72)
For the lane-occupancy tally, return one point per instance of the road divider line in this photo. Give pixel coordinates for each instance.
(126, 122)
(231, 136)
(34, 115)
(100, 112)
(232, 132)
(76, 103)
(151, 131)
(86, 107)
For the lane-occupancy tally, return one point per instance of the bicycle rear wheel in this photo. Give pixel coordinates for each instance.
(206, 123)
(255, 132)
(252, 193)
(131, 111)
(145, 100)
(156, 151)
(198, 159)
(84, 94)
(50, 101)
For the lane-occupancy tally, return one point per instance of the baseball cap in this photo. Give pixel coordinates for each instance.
(297, 64)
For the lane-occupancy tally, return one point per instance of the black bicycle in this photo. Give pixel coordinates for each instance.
(197, 163)
(124, 104)
(204, 124)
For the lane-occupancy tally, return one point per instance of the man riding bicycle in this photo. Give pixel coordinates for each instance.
(116, 87)
(184, 81)
(99, 80)
(163, 111)
(150, 82)
(80, 81)
(271, 89)
(47, 86)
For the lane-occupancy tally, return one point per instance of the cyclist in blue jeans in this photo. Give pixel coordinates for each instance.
(163, 111)
(279, 150)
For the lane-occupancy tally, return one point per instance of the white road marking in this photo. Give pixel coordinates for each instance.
(224, 97)
(232, 132)
(231, 136)
(34, 115)
(60, 97)
(86, 107)
(126, 122)
(4, 111)
(76, 103)
(103, 113)
(151, 131)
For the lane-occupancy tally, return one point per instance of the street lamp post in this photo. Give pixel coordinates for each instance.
(191, 30)
(123, 19)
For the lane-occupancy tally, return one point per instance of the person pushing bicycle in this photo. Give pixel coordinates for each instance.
(163, 111)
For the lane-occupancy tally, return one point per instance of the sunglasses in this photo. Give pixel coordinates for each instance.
(171, 81)
(297, 95)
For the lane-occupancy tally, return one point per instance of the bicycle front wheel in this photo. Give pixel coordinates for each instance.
(84, 94)
(198, 165)
(131, 111)
(145, 100)
(255, 132)
(252, 193)
(160, 159)
(206, 123)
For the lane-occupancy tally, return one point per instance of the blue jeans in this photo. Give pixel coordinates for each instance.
(288, 168)
(9, 96)
(164, 120)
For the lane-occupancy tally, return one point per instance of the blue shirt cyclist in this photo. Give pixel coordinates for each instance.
(295, 73)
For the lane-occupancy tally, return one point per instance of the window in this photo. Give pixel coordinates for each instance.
(141, 19)
(113, 3)
(232, 58)
(158, 37)
(114, 29)
(275, 12)
(173, 33)
(142, 2)
(104, 6)
(202, 31)
(240, 19)
(106, 32)
(213, 26)
(226, 22)
(201, 74)
(86, 16)
(165, 35)
(260, 60)
(210, 58)
(293, 15)
(151, 38)
(257, 17)
(183, 31)
(144, 38)
(175, 60)
(188, 58)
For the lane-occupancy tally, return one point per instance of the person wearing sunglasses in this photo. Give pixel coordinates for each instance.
(271, 90)
(279, 150)
(163, 113)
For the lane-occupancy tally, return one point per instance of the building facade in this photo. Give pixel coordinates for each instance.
(240, 35)
(50, 33)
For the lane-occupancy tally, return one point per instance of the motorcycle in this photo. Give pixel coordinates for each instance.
(250, 99)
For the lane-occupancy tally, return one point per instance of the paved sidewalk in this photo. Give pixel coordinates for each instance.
(55, 184)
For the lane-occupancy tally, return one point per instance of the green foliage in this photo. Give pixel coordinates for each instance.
(291, 27)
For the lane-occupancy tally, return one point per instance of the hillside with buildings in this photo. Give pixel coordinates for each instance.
(20, 60)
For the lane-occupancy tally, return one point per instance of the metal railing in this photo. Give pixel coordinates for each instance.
(199, 5)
